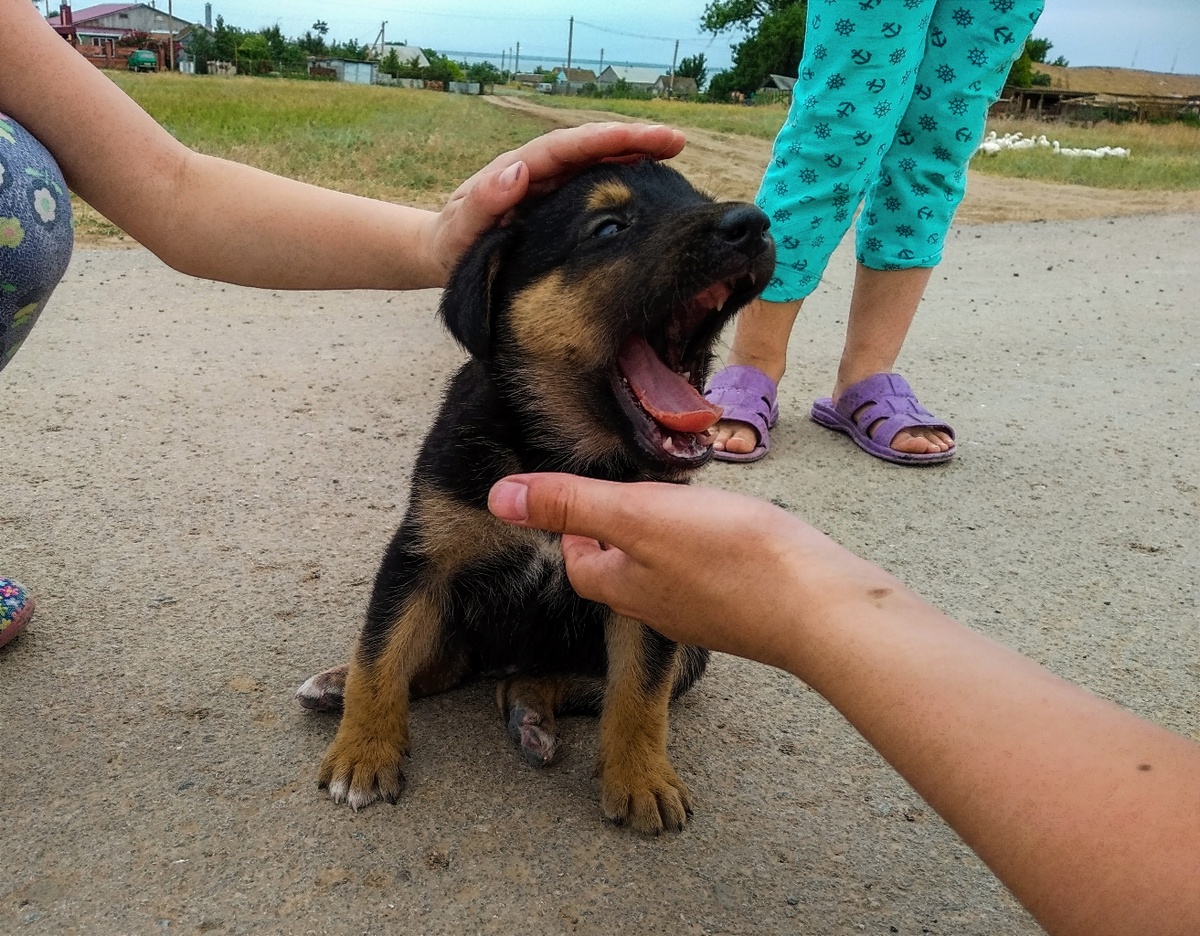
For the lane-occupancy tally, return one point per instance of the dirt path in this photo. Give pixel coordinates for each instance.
(730, 166)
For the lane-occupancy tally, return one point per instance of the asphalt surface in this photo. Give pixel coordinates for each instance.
(198, 483)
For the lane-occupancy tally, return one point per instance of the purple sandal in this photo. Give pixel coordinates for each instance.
(748, 396)
(891, 403)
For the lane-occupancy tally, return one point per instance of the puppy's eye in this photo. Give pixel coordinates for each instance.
(608, 229)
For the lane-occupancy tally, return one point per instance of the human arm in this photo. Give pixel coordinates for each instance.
(222, 220)
(1088, 814)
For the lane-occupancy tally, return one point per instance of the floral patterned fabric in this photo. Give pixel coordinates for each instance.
(15, 609)
(35, 232)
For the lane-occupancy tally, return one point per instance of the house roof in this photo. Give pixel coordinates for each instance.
(631, 73)
(576, 74)
(405, 53)
(683, 84)
(93, 12)
(782, 82)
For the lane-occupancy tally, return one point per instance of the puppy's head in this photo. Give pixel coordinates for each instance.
(596, 310)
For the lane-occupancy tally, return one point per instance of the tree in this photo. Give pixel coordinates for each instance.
(773, 44)
(390, 64)
(1021, 73)
(313, 44)
(321, 28)
(441, 68)
(226, 40)
(1038, 48)
(694, 66)
(484, 73)
(252, 54)
(275, 41)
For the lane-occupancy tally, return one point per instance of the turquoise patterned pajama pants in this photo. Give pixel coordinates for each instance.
(889, 108)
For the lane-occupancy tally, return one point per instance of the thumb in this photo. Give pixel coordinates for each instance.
(561, 503)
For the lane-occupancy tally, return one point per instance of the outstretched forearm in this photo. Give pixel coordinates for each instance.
(221, 220)
(202, 215)
(1090, 815)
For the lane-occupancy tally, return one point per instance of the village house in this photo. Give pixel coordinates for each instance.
(1089, 94)
(570, 80)
(96, 31)
(675, 86)
(405, 54)
(637, 78)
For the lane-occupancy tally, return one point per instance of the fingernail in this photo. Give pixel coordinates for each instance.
(508, 178)
(509, 500)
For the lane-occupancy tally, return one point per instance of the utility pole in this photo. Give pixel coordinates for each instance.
(502, 60)
(601, 61)
(171, 32)
(674, 56)
(517, 60)
(570, 41)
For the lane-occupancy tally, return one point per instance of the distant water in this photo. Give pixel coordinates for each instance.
(529, 63)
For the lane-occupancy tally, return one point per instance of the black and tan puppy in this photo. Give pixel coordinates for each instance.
(589, 320)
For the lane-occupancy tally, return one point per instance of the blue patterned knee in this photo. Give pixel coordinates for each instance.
(36, 234)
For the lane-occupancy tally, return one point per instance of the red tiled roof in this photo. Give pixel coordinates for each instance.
(93, 12)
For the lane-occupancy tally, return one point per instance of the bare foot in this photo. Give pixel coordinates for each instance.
(737, 437)
(918, 440)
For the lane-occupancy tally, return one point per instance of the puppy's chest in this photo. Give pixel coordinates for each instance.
(536, 569)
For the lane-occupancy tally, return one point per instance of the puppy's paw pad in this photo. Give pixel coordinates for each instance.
(537, 743)
(323, 692)
(360, 773)
(651, 799)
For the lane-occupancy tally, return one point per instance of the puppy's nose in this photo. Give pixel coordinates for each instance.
(743, 226)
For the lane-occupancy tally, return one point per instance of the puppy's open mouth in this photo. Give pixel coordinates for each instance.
(658, 374)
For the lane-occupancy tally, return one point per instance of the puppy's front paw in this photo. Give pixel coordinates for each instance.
(359, 769)
(648, 796)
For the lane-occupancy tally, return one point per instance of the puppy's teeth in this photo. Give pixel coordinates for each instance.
(753, 279)
(668, 445)
(721, 305)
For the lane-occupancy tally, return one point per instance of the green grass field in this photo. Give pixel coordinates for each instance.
(417, 146)
(390, 143)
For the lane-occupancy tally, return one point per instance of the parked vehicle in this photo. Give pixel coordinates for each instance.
(143, 60)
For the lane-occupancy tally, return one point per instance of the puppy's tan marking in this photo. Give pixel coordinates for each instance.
(555, 320)
(454, 536)
(638, 786)
(609, 195)
(364, 763)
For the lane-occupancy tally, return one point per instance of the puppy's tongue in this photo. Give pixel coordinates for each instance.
(669, 399)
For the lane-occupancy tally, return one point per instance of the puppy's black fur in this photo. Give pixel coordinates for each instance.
(577, 316)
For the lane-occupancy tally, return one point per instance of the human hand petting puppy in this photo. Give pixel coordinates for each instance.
(542, 164)
(1083, 810)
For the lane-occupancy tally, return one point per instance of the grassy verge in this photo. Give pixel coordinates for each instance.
(1163, 157)
(389, 143)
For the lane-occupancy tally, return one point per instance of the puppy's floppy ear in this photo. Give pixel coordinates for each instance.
(468, 302)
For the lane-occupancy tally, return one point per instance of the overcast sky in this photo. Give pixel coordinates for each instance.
(1159, 35)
